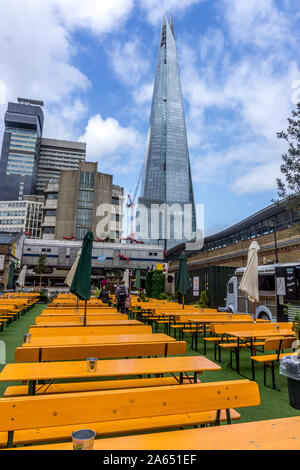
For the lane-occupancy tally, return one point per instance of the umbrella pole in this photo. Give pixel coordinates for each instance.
(77, 305)
(85, 307)
(183, 301)
(254, 319)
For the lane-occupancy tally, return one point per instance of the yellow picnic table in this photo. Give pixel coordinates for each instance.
(105, 339)
(32, 372)
(244, 336)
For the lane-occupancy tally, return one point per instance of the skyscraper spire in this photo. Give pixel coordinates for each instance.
(167, 176)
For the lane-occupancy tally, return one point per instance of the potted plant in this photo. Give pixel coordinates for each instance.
(290, 367)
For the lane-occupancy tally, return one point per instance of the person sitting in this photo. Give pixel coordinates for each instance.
(104, 295)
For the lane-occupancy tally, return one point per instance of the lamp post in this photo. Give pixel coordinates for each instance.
(275, 238)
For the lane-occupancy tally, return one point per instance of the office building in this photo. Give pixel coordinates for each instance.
(21, 216)
(167, 177)
(57, 155)
(20, 149)
(72, 204)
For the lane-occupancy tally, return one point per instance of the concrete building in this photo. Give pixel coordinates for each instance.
(57, 155)
(20, 149)
(275, 228)
(73, 205)
(21, 216)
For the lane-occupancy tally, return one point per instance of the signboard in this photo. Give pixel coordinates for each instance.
(280, 286)
(2, 260)
(159, 267)
(196, 286)
(101, 258)
(291, 284)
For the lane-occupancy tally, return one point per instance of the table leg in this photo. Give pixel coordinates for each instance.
(238, 356)
(31, 387)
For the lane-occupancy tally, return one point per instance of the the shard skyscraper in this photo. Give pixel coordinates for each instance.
(167, 177)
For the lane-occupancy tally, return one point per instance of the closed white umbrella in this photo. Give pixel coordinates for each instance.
(22, 276)
(249, 282)
(126, 278)
(70, 276)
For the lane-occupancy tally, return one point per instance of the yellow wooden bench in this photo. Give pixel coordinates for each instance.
(54, 417)
(104, 351)
(90, 330)
(271, 360)
(74, 387)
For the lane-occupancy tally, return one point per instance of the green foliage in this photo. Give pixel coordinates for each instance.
(41, 267)
(44, 299)
(203, 301)
(96, 292)
(142, 297)
(169, 297)
(148, 284)
(296, 324)
(291, 160)
(158, 284)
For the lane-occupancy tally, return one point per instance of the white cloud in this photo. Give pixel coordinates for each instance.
(258, 22)
(157, 8)
(36, 54)
(129, 62)
(114, 146)
(143, 94)
(237, 102)
(99, 16)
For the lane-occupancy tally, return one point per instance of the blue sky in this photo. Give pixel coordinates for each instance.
(93, 63)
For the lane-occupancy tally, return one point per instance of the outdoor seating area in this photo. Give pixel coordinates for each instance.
(55, 387)
(159, 371)
(13, 305)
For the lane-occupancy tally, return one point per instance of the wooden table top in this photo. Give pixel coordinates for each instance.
(217, 320)
(104, 339)
(88, 323)
(108, 368)
(273, 434)
(259, 333)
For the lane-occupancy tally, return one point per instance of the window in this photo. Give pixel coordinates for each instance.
(115, 200)
(86, 180)
(52, 196)
(49, 230)
(86, 199)
(50, 213)
(267, 282)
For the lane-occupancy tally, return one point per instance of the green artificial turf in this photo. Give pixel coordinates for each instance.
(13, 336)
(273, 405)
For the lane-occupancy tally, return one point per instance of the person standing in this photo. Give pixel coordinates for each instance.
(128, 303)
(121, 295)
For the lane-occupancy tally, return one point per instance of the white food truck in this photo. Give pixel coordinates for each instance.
(279, 292)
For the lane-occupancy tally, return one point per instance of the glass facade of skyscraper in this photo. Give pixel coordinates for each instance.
(20, 149)
(167, 177)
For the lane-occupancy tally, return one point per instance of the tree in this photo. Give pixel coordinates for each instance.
(290, 168)
(41, 267)
(158, 284)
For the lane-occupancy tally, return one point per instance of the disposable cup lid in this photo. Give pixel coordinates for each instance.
(83, 434)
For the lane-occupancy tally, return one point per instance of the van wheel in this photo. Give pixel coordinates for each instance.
(264, 316)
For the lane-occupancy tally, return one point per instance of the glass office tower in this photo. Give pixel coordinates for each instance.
(167, 177)
(20, 149)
